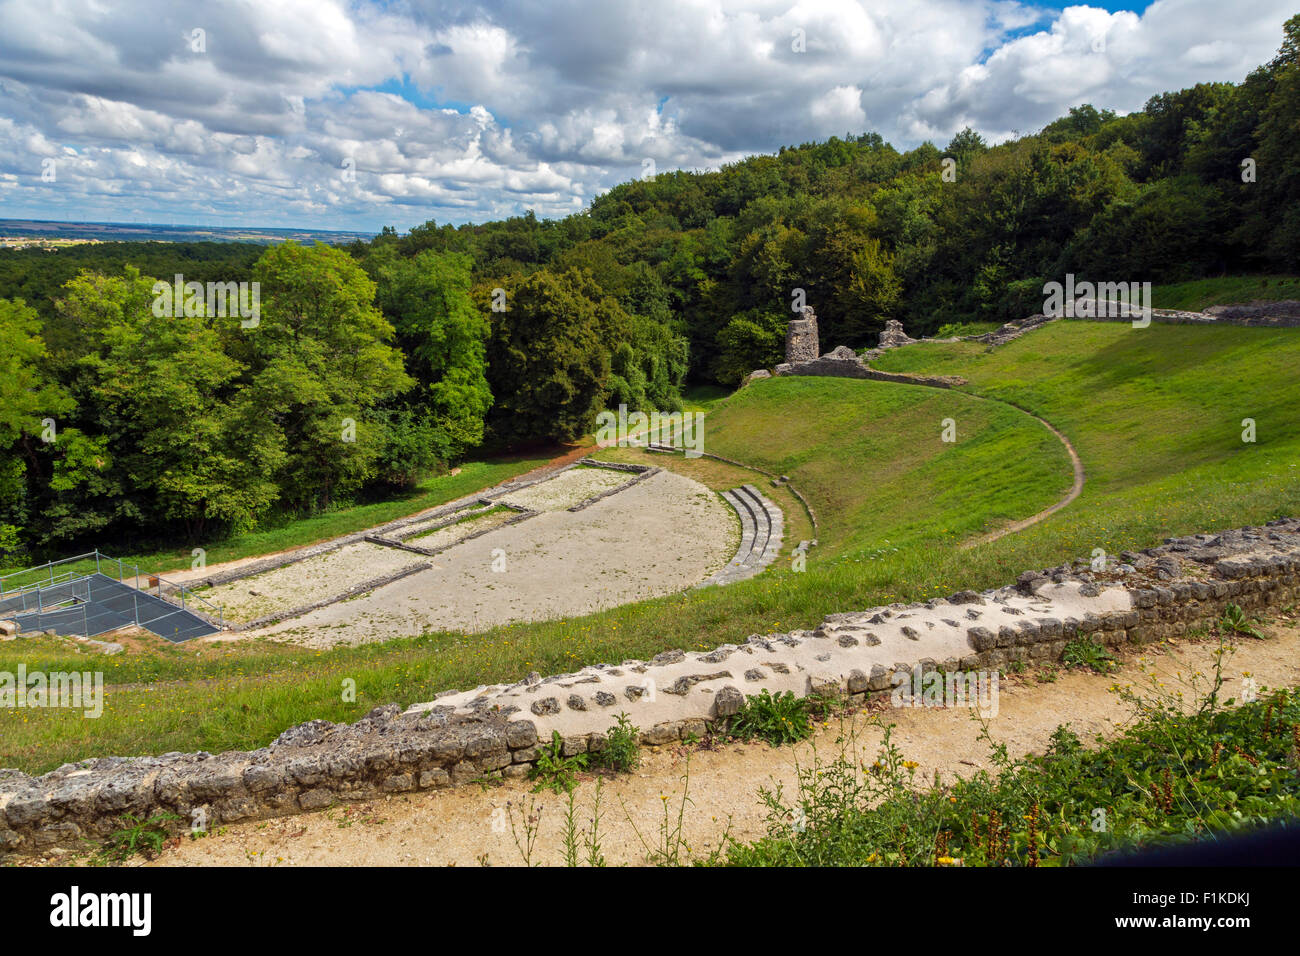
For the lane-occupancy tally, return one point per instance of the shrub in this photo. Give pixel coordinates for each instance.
(140, 836)
(1234, 621)
(554, 771)
(622, 747)
(1086, 652)
(779, 719)
(1172, 777)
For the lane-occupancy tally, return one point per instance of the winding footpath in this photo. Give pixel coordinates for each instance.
(1073, 493)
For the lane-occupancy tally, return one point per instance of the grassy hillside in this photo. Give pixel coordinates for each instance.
(870, 458)
(1155, 414)
(1200, 294)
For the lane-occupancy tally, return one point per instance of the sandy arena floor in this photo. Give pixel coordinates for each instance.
(556, 564)
(306, 581)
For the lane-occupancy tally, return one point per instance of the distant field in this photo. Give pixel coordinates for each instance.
(46, 230)
(1155, 414)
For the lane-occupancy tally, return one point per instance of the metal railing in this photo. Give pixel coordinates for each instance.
(48, 567)
(58, 605)
(107, 566)
(156, 583)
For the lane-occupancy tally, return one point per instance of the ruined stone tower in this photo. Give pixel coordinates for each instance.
(801, 337)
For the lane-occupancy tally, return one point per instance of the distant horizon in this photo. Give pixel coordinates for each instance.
(180, 225)
(32, 230)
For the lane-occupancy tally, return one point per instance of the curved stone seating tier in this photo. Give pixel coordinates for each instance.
(761, 530)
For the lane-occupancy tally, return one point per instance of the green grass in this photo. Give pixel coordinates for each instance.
(1199, 294)
(298, 532)
(958, 329)
(871, 458)
(703, 398)
(1155, 414)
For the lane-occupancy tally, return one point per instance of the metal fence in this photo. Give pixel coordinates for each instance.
(42, 575)
(104, 594)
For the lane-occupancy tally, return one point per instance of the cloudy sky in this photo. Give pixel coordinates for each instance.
(334, 114)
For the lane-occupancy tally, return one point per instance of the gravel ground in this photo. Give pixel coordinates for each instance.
(557, 564)
(306, 582)
(567, 489)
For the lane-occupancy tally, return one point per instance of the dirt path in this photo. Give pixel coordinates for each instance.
(469, 825)
(1073, 493)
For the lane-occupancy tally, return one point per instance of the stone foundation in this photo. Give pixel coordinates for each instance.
(840, 365)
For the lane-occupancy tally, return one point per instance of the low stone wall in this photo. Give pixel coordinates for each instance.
(462, 736)
(855, 368)
(355, 591)
(1283, 314)
(641, 472)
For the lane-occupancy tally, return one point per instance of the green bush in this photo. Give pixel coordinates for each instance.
(1234, 621)
(553, 771)
(622, 751)
(779, 719)
(1086, 652)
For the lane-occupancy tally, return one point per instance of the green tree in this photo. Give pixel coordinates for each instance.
(155, 407)
(319, 361)
(752, 340)
(1279, 154)
(27, 398)
(549, 361)
(443, 335)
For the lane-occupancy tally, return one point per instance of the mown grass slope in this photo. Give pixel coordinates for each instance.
(1155, 414)
(872, 460)
(1199, 294)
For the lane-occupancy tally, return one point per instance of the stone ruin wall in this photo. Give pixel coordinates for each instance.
(801, 337)
(843, 362)
(1157, 594)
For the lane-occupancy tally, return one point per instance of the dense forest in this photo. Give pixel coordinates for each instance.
(378, 363)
